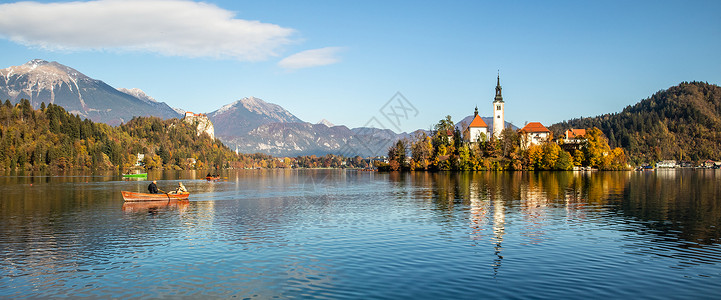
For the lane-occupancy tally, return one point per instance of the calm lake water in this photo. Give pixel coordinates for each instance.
(339, 234)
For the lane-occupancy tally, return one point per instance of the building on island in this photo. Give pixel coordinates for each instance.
(498, 110)
(477, 130)
(574, 139)
(534, 133)
(448, 134)
(575, 135)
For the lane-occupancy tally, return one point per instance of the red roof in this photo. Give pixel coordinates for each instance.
(478, 122)
(534, 127)
(574, 133)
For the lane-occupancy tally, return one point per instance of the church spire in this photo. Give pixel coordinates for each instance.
(498, 110)
(475, 113)
(498, 97)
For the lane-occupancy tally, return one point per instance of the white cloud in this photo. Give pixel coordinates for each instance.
(311, 58)
(168, 27)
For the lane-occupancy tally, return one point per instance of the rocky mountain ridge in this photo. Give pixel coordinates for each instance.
(51, 82)
(242, 116)
(252, 125)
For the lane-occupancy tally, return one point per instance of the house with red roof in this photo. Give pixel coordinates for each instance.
(575, 133)
(574, 139)
(534, 133)
(477, 130)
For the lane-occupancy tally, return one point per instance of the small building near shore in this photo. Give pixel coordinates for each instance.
(139, 159)
(534, 133)
(666, 164)
(708, 164)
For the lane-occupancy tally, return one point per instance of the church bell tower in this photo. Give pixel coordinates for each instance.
(498, 114)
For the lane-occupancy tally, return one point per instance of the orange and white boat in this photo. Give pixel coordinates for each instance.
(140, 197)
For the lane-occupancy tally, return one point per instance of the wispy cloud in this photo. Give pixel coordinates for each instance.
(311, 58)
(167, 27)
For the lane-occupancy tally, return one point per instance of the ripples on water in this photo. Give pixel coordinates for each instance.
(346, 234)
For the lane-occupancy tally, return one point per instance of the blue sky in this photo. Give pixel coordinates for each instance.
(343, 60)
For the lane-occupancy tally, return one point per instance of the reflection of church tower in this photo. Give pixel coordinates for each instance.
(499, 229)
(498, 114)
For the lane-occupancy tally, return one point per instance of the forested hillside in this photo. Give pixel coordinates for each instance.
(51, 138)
(680, 123)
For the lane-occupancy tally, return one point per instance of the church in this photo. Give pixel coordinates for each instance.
(478, 127)
(533, 133)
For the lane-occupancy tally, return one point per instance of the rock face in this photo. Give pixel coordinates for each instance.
(202, 123)
(50, 82)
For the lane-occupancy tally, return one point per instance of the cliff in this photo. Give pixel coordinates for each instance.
(201, 122)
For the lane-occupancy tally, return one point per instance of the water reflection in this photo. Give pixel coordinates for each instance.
(681, 208)
(351, 234)
(154, 207)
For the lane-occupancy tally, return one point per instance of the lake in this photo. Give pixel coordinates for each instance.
(346, 234)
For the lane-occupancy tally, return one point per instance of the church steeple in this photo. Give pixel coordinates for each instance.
(475, 113)
(498, 98)
(498, 110)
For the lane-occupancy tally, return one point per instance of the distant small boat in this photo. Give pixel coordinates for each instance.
(139, 197)
(139, 175)
(212, 178)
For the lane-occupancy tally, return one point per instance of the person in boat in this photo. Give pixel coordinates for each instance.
(209, 175)
(153, 187)
(180, 190)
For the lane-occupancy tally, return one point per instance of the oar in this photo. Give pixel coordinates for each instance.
(166, 194)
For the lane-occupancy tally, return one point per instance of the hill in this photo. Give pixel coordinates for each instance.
(51, 138)
(41, 81)
(682, 122)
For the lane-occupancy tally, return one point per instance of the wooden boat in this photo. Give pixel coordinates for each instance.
(139, 197)
(139, 175)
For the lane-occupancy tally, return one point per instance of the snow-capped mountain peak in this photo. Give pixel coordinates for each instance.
(248, 113)
(138, 93)
(51, 82)
(326, 123)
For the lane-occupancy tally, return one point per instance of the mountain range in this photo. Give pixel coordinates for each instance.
(50, 82)
(253, 125)
(249, 125)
